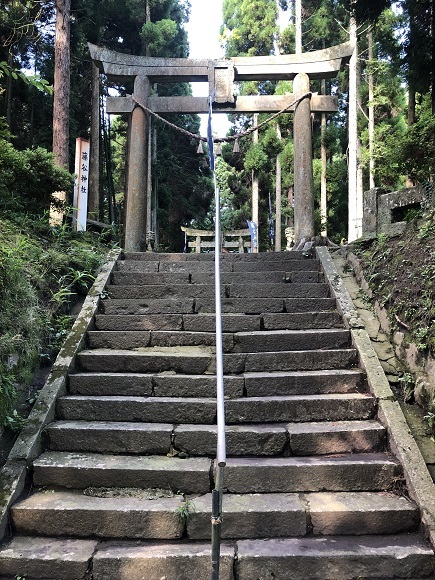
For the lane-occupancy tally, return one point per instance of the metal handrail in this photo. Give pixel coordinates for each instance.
(221, 458)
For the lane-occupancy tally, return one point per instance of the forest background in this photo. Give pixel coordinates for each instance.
(396, 85)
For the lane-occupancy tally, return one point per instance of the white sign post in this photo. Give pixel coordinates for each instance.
(80, 204)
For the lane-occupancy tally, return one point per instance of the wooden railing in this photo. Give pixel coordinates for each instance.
(232, 240)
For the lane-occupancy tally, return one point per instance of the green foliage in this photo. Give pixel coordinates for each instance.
(157, 34)
(28, 178)
(41, 272)
(249, 27)
(256, 158)
(183, 511)
(418, 149)
(35, 81)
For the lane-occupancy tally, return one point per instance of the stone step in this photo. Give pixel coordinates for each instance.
(199, 360)
(198, 278)
(266, 384)
(129, 514)
(207, 305)
(384, 557)
(279, 340)
(346, 472)
(82, 470)
(300, 408)
(201, 440)
(292, 439)
(133, 339)
(261, 384)
(46, 559)
(161, 385)
(279, 257)
(288, 515)
(334, 558)
(256, 341)
(160, 561)
(162, 291)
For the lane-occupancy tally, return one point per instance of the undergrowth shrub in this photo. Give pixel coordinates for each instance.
(42, 271)
(28, 178)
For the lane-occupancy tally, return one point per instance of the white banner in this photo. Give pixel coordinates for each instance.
(80, 204)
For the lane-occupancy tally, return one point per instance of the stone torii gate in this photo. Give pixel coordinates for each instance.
(221, 76)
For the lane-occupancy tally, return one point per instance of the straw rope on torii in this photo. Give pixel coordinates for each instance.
(221, 75)
(228, 138)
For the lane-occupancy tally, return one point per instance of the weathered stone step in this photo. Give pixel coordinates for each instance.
(264, 290)
(330, 558)
(265, 384)
(292, 438)
(314, 558)
(161, 385)
(199, 278)
(195, 360)
(279, 340)
(207, 305)
(227, 265)
(200, 440)
(53, 559)
(288, 515)
(279, 257)
(81, 470)
(132, 339)
(257, 341)
(198, 360)
(71, 513)
(261, 384)
(300, 408)
(152, 561)
(68, 513)
(207, 322)
(347, 472)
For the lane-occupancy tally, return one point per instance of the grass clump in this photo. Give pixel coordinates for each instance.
(43, 270)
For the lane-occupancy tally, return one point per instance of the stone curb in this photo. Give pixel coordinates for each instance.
(13, 475)
(419, 482)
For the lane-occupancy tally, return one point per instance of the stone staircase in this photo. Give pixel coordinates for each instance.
(123, 488)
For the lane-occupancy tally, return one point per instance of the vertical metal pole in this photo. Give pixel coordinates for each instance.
(221, 447)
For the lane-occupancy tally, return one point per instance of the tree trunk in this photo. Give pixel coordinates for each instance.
(354, 168)
(94, 164)
(255, 192)
(278, 193)
(371, 113)
(432, 62)
(323, 201)
(298, 22)
(61, 83)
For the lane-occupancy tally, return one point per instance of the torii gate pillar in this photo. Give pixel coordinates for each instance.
(136, 202)
(303, 162)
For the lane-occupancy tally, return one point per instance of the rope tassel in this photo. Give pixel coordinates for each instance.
(200, 149)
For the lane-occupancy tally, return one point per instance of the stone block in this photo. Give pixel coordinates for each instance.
(365, 472)
(264, 384)
(82, 470)
(110, 437)
(133, 384)
(75, 514)
(250, 516)
(334, 437)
